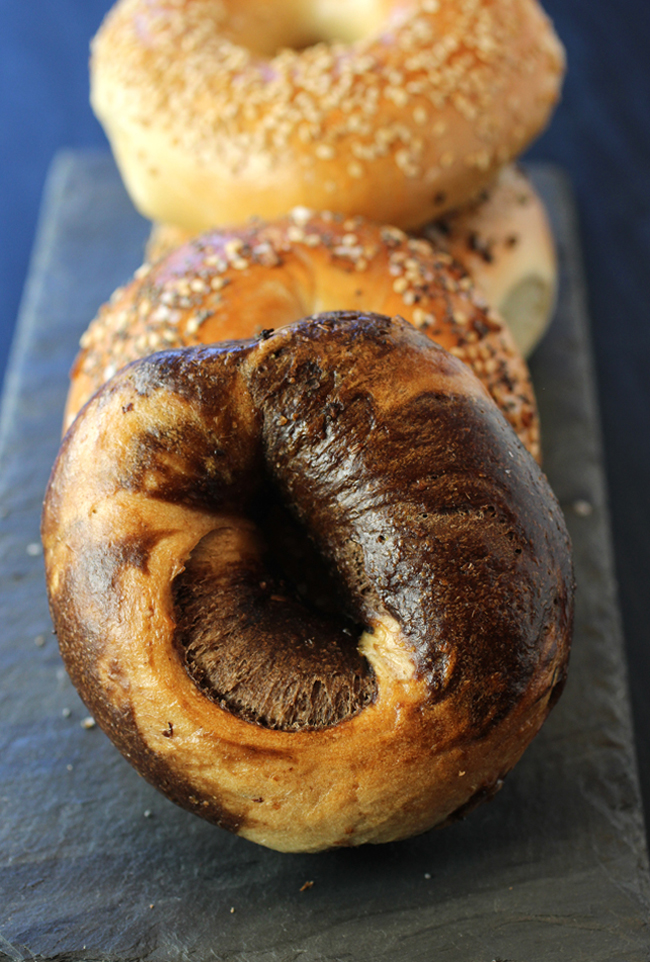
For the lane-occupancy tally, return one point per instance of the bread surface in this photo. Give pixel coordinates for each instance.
(391, 704)
(238, 282)
(399, 110)
(504, 241)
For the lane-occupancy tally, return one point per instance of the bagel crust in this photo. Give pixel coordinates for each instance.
(236, 283)
(297, 721)
(502, 238)
(218, 110)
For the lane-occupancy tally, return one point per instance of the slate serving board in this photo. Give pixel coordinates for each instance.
(95, 865)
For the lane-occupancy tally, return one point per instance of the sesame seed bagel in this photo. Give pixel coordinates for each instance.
(218, 110)
(236, 283)
(504, 241)
(188, 504)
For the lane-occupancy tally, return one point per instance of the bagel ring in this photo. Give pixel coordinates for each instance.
(395, 109)
(235, 283)
(299, 724)
(503, 239)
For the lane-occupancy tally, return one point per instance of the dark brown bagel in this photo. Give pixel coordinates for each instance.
(377, 700)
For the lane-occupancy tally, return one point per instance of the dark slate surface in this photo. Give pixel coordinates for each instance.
(95, 865)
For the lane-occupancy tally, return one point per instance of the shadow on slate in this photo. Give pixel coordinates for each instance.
(94, 864)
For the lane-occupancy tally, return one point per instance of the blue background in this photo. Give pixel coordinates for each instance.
(601, 135)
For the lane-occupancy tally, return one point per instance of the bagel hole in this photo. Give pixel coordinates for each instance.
(294, 562)
(267, 30)
(262, 625)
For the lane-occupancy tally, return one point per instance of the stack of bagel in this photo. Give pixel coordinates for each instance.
(308, 418)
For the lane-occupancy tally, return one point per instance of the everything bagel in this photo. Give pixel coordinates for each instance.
(218, 110)
(236, 283)
(362, 709)
(503, 239)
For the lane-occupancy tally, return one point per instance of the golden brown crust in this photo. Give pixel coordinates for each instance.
(449, 545)
(504, 241)
(212, 119)
(502, 238)
(236, 283)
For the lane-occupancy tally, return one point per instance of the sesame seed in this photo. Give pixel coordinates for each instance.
(301, 215)
(398, 95)
(392, 235)
(325, 151)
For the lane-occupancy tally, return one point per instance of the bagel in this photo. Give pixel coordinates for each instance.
(218, 110)
(236, 283)
(299, 721)
(504, 241)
